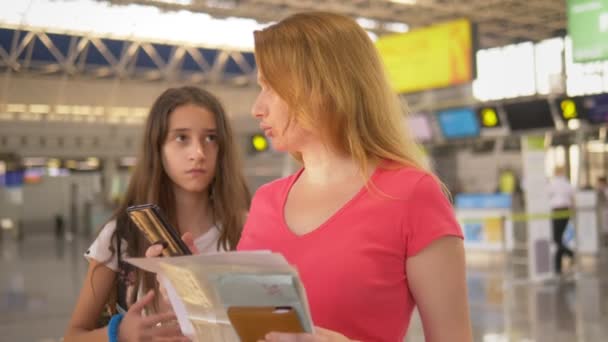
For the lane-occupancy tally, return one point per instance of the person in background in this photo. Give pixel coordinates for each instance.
(561, 200)
(59, 226)
(189, 166)
(365, 222)
(602, 188)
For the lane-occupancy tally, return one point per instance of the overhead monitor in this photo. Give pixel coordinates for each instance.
(570, 108)
(420, 126)
(259, 142)
(535, 114)
(458, 123)
(596, 108)
(437, 56)
(33, 175)
(488, 117)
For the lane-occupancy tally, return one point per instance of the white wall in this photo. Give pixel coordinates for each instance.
(53, 196)
(79, 139)
(42, 201)
(479, 172)
(55, 90)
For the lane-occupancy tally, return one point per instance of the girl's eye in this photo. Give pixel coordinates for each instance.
(211, 138)
(181, 138)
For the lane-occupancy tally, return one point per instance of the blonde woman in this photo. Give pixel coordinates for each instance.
(365, 222)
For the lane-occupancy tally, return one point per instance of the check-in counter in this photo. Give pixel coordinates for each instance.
(485, 220)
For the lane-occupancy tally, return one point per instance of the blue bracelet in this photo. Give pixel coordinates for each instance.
(113, 327)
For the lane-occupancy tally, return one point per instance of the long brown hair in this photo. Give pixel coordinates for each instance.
(327, 70)
(228, 192)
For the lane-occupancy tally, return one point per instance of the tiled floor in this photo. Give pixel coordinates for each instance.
(41, 277)
(39, 282)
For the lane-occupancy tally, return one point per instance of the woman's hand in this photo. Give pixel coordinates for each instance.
(320, 335)
(135, 327)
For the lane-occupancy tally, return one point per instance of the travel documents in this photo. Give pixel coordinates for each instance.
(232, 296)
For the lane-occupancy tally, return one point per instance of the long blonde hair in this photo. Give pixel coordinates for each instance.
(328, 71)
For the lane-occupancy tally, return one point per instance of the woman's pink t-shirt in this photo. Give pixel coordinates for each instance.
(353, 265)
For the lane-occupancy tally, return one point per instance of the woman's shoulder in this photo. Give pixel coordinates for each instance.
(404, 182)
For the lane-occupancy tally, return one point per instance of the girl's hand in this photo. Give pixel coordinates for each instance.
(157, 249)
(135, 327)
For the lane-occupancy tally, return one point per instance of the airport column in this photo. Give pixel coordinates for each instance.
(539, 233)
(108, 179)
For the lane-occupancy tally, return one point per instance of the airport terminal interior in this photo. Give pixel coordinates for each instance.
(500, 95)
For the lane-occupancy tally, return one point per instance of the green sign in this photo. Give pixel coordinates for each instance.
(534, 142)
(588, 28)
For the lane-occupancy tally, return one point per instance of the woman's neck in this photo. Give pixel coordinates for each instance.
(323, 166)
(193, 211)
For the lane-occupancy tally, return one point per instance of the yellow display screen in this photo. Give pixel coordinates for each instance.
(488, 117)
(568, 109)
(259, 143)
(427, 58)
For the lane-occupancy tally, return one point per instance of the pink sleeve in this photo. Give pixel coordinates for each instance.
(247, 240)
(429, 216)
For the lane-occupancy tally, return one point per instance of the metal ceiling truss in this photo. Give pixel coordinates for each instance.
(499, 22)
(205, 66)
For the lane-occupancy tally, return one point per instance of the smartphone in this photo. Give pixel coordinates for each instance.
(157, 230)
(253, 323)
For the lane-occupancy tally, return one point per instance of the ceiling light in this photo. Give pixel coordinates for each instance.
(134, 21)
(574, 124)
(404, 2)
(367, 23)
(396, 27)
(176, 2)
(224, 4)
